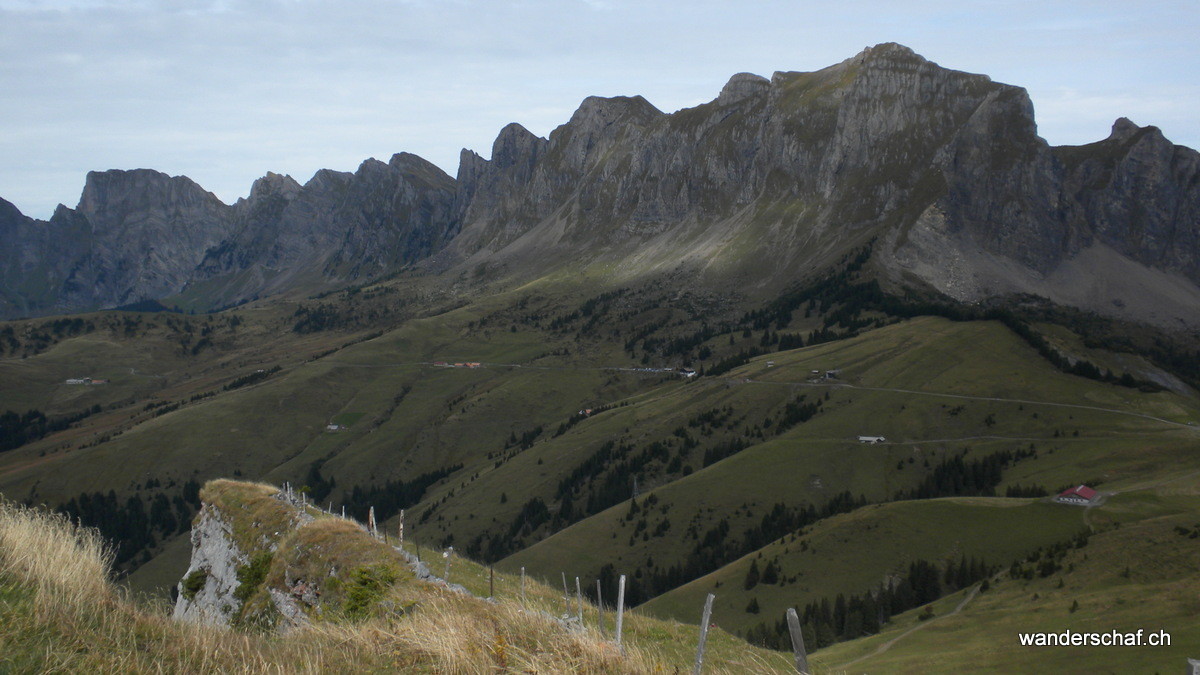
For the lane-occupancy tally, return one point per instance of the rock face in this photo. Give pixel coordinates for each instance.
(141, 234)
(771, 182)
(775, 179)
(215, 560)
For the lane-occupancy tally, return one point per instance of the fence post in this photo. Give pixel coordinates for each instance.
(801, 657)
(599, 608)
(446, 554)
(491, 582)
(620, 607)
(579, 598)
(402, 528)
(704, 619)
(566, 597)
(371, 523)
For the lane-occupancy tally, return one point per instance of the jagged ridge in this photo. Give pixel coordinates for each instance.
(764, 185)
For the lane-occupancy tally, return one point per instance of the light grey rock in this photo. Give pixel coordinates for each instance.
(215, 553)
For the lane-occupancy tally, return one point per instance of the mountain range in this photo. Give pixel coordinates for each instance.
(941, 172)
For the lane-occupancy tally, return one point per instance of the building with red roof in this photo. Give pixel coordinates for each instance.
(1082, 495)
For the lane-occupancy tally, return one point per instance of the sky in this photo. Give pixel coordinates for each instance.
(224, 91)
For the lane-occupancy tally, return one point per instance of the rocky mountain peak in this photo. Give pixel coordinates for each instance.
(325, 179)
(742, 85)
(109, 197)
(516, 145)
(1123, 128)
(597, 112)
(9, 212)
(274, 184)
(410, 164)
(890, 51)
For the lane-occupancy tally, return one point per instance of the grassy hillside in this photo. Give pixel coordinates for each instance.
(855, 552)
(925, 385)
(60, 612)
(1137, 572)
(516, 425)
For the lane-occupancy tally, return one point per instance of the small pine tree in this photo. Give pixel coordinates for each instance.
(770, 573)
(752, 608)
(752, 575)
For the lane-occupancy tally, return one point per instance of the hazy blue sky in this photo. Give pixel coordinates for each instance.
(224, 91)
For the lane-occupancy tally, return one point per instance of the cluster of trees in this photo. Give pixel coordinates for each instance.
(797, 412)
(956, 476)
(525, 441)
(134, 525)
(717, 547)
(389, 497)
(321, 317)
(35, 338)
(824, 623)
(18, 429)
(253, 378)
(1045, 561)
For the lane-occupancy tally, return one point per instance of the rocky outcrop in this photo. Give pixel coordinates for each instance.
(206, 592)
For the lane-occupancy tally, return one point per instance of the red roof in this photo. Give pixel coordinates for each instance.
(1081, 491)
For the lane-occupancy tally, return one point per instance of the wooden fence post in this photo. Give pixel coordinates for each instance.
(402, 528)
(704, 619)
(801, 657)
(446, 554)
(566, 597)
(599, 608)
(620, 607)
(579, 599)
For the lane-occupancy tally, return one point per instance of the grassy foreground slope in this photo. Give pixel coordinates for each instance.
(60, 613)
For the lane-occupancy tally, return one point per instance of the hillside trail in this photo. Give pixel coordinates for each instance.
(997, 399)
(888, 645)
(833, 385)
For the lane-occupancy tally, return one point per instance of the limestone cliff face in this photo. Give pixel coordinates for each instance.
(134, 235)
(813, 158)
(141, 234)
(206, 590)
(337, 227)
(775, 178)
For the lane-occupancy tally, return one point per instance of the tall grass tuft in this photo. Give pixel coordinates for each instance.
(68, 564)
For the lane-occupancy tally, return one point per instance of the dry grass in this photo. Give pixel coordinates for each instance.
(67, 564)
(60, 613)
